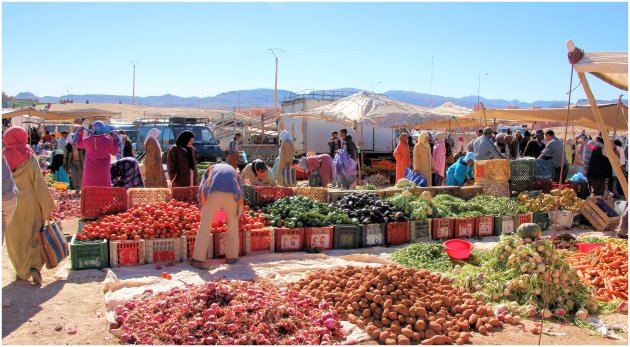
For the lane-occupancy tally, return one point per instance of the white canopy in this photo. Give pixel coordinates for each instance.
(370, 109)
(612, 67)
(91, 113)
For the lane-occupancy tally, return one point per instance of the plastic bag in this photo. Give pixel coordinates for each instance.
(415, 177)
(578, 178)
(344, 165)
(565, 219)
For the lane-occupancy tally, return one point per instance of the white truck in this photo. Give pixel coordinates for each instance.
(313, 135)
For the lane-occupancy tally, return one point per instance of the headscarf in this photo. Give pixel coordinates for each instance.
(422, 138)
(152, 134)
(469, 156)
(182, 141)
(440, 137)
(285, 136)
(98, 128)
(16, 150)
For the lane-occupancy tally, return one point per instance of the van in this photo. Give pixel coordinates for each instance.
(204, 142)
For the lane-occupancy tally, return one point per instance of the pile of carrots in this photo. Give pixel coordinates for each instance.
(604, 268)
(383, 164)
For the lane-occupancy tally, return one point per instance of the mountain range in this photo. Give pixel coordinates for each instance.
(264, 98)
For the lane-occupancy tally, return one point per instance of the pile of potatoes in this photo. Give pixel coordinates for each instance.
(401, 306)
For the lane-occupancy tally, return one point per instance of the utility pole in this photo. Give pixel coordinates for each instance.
(133, 92)
(431, 92)
(275, 92)
(479, 88)
(67, 94)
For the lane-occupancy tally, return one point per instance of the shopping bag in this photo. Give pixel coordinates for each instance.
(53, 243)
(416, 177)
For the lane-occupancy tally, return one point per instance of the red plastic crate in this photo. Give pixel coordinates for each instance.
(126, 253)
(102, 201)
(442, 228)
(484, 226)
(524, 218)
(397, 233)
(259, 241)
(318, 238)
(186, 194)
(219, 243)
(464, 228)
(289, 240)
(139, 196)
(265, 194)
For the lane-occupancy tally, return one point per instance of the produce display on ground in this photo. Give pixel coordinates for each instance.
(68, 204)
(227, 313)
(604, 268)
(569, 201)
(429, 256)
(369, 208)
(300, 211)
(529, 271)
(377, 179)
(397, 305)
(565, 241)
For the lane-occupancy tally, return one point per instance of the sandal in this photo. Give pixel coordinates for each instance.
(37, 276)
(199, 264)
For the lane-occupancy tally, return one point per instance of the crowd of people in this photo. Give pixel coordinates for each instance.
(85, 155)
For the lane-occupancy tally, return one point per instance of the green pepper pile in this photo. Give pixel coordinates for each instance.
(302, 212)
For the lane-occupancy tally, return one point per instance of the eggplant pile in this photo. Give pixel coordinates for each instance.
(369, 208)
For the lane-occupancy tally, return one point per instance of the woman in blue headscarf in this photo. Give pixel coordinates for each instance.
(99, 147)
(461, 171)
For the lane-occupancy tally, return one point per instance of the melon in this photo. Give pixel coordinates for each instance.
(529, 230)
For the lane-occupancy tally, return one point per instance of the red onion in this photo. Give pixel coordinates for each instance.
(330, 323)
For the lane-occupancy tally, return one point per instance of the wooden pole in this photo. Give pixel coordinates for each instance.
(608, 145)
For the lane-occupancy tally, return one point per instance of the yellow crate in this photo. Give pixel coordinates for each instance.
(147, 195)
(492, 170)
(316, 193)
(499, 189)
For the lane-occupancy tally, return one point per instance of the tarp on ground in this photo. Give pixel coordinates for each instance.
(375, 110)
(60, 116)
(581, 116)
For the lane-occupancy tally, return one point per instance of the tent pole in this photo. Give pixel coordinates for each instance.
(602, 128)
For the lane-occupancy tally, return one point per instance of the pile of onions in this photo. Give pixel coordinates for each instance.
(68, 204)
(227, 313)
(401, 306)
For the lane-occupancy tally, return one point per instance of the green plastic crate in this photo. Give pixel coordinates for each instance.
(504, 225)
(88, 254)
(542, 219)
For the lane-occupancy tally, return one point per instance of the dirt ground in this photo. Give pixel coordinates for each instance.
(30, 315)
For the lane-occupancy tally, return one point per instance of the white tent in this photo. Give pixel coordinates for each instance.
(365, 108)
(612, 68)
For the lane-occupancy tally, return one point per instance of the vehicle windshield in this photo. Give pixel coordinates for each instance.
(202, 134)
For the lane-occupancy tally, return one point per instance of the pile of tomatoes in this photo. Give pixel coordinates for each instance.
(145, 221)
(250, 220)
(161, 220)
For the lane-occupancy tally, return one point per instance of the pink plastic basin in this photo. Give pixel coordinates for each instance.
(587, 247)
(220, 216)
(458, 249)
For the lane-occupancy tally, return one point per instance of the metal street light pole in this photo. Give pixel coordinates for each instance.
(479, 87)
(133, 92)
(275, 92)
(373, 86)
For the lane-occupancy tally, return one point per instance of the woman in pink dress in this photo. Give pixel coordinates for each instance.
(439, 159)
(99, 147)
(323, 163)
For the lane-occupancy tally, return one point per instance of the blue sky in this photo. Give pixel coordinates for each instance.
(202, 49)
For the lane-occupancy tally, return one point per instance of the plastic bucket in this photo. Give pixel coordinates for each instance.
(220, 216)
(458, 249)
(587, 247)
